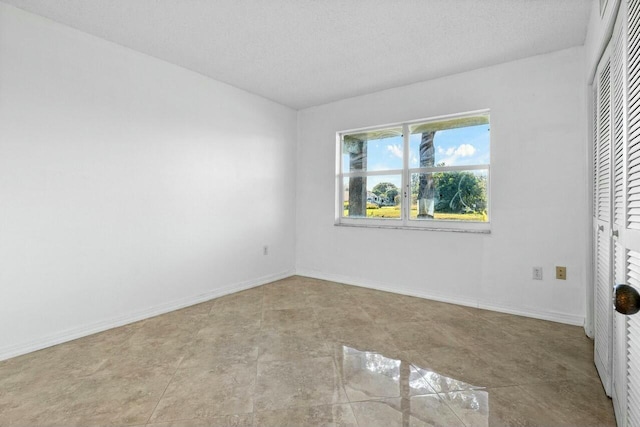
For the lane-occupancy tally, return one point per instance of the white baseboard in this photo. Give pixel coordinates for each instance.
(468, 302)
(85, 330)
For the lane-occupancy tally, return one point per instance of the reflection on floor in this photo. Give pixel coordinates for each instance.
(308, 352)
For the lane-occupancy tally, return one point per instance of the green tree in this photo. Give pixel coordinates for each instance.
(460, 192)
(386, 190)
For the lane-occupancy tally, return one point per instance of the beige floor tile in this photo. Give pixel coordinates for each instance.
(231, 320)
(275, 301)
(418, 411)
(526, 327)
(290, 318)
(422, 336)
(154, 348)
(475, 330)
(471, 406)
(343, 300)
(101, 400)
(364, 338)
(240, 420)
(207, 393)
(222, 350)
(485, 314)
(64, 361)
(334, 317)
(317, 286)
(366, 295)
(577, 352)
(368, 376)
(436, 310)
(284, 297)
(244, 302)
(290, 284)
(285, 384)
(311, 416)
(509, 406)
(458, 368)
(576, 402)
(24, 400)
(292, 344)
(388, 313)
(523, 364)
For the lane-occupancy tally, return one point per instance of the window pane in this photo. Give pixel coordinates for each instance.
(455, 195)
(372, 196)
(457, 142)
(372, 151)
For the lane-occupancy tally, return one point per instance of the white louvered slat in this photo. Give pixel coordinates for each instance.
(595, 152)
(633, 347)
(617, 82)
(604, 143)
(633, 114)
(619, 263)
(619, 354)
(602, 299)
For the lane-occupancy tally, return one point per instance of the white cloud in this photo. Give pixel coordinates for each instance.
(465, 150)
(396, 150)
(453, 153)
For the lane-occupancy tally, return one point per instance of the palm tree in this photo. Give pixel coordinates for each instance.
(357, 149)
(426, 190)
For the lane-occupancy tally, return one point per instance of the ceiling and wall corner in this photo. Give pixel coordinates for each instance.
(302, 53)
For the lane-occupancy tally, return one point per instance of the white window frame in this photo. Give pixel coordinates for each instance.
(404, 222)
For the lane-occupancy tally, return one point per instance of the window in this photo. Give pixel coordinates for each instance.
(431, 173)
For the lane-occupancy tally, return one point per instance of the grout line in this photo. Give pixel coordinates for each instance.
(165, 390)
(255, 381)
(354, 415)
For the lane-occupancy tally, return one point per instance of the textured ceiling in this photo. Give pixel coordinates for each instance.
(308, 52)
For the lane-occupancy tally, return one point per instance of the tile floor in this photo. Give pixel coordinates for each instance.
(306, 352)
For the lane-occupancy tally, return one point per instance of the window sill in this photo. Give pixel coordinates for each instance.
(483, 230)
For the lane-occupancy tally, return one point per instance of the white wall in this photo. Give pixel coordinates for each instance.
(538, 193)
(128, 186)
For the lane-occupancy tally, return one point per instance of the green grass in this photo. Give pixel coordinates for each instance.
(394, 212)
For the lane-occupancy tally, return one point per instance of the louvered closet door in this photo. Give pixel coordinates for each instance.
(619, 127)
(602, 224)
(623, 243)
(630, 232)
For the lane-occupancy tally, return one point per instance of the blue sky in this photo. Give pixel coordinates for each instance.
(453, 147)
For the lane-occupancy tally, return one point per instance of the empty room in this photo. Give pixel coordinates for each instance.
(319, 213)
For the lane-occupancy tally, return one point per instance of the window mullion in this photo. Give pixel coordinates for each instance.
(406, 182)
(340, 179)
(373, 173)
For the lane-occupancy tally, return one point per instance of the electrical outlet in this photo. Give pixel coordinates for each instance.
(561, 273)
(537, 273)
(265, 250)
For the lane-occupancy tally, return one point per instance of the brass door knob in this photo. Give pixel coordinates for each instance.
(626, 299)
